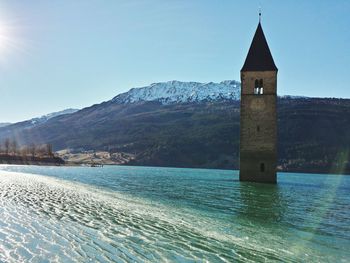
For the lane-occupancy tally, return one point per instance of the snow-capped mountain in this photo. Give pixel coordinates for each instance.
(180, 92)
(46, 117)
(9, 130)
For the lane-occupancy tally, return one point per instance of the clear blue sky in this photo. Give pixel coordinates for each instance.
(60, 54)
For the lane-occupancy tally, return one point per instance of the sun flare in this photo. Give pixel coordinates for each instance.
(7, 41)
(10, 42)
(4, 37)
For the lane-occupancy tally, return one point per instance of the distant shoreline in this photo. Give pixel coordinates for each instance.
(56, 161)
(31, 160)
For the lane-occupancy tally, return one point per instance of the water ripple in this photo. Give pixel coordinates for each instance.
(46, 219)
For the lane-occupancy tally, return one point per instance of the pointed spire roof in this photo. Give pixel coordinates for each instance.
(259, 57)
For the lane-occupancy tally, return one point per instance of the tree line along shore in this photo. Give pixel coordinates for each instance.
(12, 153)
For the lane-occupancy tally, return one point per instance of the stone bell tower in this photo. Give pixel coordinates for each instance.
(258, 128)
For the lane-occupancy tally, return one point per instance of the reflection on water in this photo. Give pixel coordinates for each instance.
(261, 203)
(158, 214)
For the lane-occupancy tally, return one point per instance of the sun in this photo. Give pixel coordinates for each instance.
(10, 40)
(3, 37)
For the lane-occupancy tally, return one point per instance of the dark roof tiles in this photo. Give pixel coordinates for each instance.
(259, 57)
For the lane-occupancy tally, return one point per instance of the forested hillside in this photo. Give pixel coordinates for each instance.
(313, 133)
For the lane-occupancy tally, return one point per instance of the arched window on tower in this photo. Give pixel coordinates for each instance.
(256, 87)
(261, 87)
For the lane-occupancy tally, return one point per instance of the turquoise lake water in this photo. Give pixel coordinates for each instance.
(147, 214)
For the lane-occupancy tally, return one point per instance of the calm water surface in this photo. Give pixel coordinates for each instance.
(146, 214)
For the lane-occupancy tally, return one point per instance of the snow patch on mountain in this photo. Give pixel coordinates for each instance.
(4, 124)
(181, 92)
(46, 117)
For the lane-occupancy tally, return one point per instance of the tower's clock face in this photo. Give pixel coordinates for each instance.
(257, 104)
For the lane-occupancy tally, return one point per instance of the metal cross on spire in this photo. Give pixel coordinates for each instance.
(259, 14)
